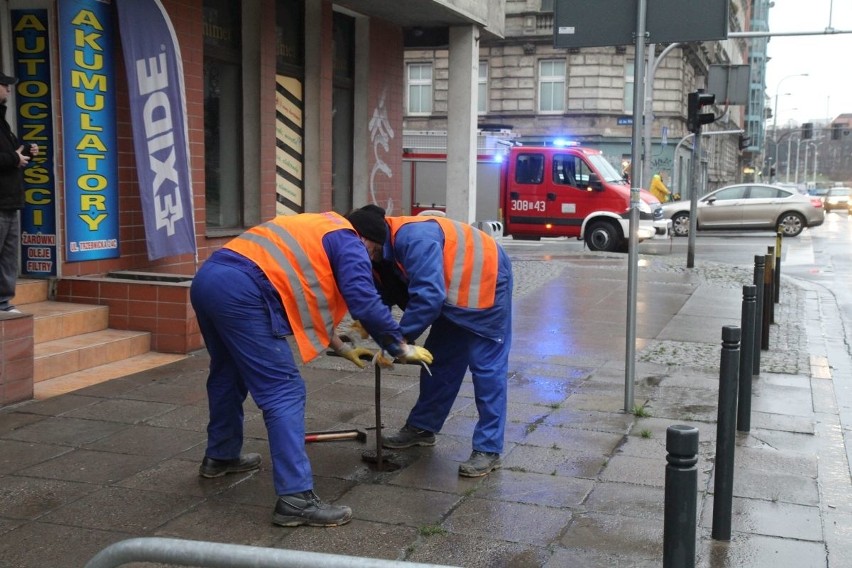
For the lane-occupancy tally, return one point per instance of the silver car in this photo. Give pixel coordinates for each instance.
(749, 206)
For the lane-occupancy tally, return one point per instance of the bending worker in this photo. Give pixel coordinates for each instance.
(458, 280)
(295, 275)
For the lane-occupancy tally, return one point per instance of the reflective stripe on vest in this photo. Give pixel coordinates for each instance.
(470, 261)
(289, 251)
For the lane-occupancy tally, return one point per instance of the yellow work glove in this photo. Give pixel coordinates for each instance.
(415, 354)
(359, 329)
(354, 354)
(383, 360)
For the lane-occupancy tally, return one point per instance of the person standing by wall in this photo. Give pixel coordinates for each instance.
(458, 280)
(294, 275)
(14, 157)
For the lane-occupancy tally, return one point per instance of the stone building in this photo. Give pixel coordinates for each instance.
(539, 92)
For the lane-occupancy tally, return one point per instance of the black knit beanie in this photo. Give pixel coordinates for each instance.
(369, 222)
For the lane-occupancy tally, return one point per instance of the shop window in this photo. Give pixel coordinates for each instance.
(223, 124)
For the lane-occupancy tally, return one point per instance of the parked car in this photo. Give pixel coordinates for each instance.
(836, 198)
(749, 206)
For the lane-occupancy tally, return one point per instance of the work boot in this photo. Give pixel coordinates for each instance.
(407, 437)
(306, 508)
(211, 467)
(479, 464)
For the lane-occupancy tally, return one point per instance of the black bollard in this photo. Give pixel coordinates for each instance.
(771, 260)
(759, 261)
(681, 493)
(746, 354)
(767, 302)
(723, 493)
(778, 238)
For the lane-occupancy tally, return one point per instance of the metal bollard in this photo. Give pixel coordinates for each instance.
(759, 267)
(771, 261)
(746, 354)
(767, 301)
(681, 493)
(778, 239)
(723, 493)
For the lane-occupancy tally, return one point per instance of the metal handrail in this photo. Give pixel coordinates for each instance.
(220, 555)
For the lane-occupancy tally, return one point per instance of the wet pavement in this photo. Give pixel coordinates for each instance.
(583, 481)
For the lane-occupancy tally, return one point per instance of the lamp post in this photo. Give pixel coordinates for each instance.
(775, 121)
(798, 147)
(816, 154)
(789, 146)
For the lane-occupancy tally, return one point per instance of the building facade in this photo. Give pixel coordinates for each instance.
(539, 92)
(290, 106)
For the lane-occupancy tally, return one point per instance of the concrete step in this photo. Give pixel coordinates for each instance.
(57, 320)
(86, 350)
(29, 291)
(74, 346)
(75, 381)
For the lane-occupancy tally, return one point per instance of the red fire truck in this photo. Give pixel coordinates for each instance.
(546, 191)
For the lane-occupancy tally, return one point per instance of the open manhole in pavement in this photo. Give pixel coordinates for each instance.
(390, 461)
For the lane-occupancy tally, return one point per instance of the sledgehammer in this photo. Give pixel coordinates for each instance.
(336, 435)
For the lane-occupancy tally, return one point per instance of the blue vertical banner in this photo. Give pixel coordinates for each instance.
(160, 133)
(89, 129)
(31, 54)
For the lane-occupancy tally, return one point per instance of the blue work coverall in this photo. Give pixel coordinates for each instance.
(460, 338)
(244, 327)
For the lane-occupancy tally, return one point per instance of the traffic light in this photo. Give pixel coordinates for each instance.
(807, 130)
(694, 117)
(745, 141)
(836, 131)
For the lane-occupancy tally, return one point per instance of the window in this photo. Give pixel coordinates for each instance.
(223, 123)
(571, 170)
(482, 89)
(628, 87)
(419, 88)
(735, 192)
(763, 192)
(551, 85)
(529, 168)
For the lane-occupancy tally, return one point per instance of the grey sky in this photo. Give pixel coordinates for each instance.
(827, 90)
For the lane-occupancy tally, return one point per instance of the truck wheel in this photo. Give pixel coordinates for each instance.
(680, 224)
(602, 236)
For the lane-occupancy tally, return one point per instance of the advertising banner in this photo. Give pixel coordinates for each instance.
(160, 134)
(31, 54)
(89, 129)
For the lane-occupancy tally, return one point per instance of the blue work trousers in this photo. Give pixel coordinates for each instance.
(455, 349)
(245, 356)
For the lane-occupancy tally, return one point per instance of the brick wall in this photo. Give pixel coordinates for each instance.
(16, 358)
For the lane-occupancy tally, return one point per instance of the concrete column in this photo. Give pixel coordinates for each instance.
(312, 107)
(361, 132)
(461, 123)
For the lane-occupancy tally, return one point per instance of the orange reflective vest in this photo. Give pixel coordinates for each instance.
(470, 261)
(289, 251)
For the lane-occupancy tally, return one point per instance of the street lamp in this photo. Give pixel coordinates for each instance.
(778, 88)
(775, 120)
(816, 154)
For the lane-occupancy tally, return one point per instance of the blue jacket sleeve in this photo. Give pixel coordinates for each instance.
(354, 276)
(419, 248)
